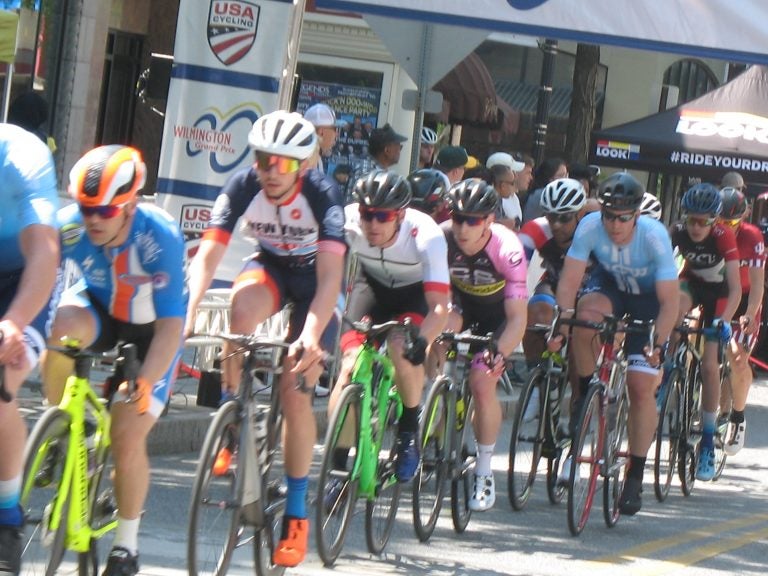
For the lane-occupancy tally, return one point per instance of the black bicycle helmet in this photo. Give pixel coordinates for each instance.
(702, 198)
(734, 203)
(383, 189)
(429, 188)
(621, 191)
(473, 196)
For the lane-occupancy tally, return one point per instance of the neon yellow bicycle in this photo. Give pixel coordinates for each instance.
(67, 483)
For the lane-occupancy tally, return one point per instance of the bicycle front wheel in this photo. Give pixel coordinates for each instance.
(616, 451)
(103, 512)
(463, 477)
(215, 524)
(429, 484)
(336, 486)
(525, 442)
(381, 511)
(723, 422)
(44, 458)
(668, 436)
(688, 456)
(584, 462)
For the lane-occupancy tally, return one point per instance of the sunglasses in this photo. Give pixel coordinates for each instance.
(701, 221)
(560, 218)
(610, 216)
(733, 223)
(381, 216)
(103, 212)
(284, 164)
(467, 219)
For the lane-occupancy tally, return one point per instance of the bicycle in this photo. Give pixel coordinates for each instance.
(365, 423)
(536, 429)
(600, 445)
(447, 440)
(237, 495)
(678, 433)
(66, 493)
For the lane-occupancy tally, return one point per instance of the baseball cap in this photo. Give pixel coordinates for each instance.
(320, 115)
(504, 159)
(386, 135)
(451, 157)
(472, 162)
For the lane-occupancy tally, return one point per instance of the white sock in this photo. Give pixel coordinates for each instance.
(483, 462)
(127, 534)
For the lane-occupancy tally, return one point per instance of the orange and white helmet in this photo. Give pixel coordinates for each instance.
(107, 176)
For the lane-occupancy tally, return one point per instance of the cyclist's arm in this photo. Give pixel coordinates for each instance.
(515, 311)
(163, 348)
(733, 279)
(756, 291)
(200, 274)
(569, 282)
(437, 317)
(668, 295)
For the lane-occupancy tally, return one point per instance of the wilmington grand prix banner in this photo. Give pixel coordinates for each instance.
(228, 61)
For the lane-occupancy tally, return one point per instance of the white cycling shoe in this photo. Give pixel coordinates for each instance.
(484, 494)
(736, 436)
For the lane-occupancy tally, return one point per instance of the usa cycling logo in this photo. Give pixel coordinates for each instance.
(223, 135)
(232, 29)
(526, 4)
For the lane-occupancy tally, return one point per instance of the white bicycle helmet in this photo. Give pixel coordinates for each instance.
(284, 134)
(650, 206)
(563, 196)
(428, 136)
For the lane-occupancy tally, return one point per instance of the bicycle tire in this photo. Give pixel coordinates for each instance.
(560, 439)
(380, 512)
(429, 483)
(723, 421)
(337, 489)
(616, 451)
(103, 508)
(44, 458)
(526, 440)
(219, 492)
(585, 462)
(273, 493)
(668, 436)
(688, 456)
(462, 479)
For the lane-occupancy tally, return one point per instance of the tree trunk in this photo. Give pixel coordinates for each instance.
(583, 103)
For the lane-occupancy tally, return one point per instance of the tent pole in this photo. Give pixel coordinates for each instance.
(549, 47)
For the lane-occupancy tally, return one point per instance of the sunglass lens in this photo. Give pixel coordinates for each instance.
(283, 164)
(104, 212)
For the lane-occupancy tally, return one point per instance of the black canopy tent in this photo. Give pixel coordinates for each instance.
(723, 130)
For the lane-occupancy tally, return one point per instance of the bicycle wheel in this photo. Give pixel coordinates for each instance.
(215, 522)
(336, 487)
(526, 440)
(585, 462)
(462, 479)
(429, 484)
(273, 492)
(557, 442)
(44, 457)
(688, 454)
(616, 455)
(381, 511)
(668, 436)
(723, 422)
(103, 511)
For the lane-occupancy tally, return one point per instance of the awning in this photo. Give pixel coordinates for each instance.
(470, 98)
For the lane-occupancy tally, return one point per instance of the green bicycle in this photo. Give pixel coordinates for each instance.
(67, 480)
(364, 422)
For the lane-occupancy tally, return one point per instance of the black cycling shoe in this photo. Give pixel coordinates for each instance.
(10, 550)
(121, 563)
(631, 500)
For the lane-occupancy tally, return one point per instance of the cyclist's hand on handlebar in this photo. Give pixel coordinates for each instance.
(417, 352)
(555, 343)
(305, 354)
(723, 329)
(141, 395)
(654, 356)
(12, 352)
(495, 362)
(748, 326)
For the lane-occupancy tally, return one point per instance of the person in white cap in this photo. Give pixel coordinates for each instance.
(323, 118)
(503, 168)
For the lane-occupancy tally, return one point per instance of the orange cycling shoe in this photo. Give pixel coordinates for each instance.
(292, 548)
(222, 462)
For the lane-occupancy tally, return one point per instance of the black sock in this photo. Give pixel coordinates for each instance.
(409, 421)
(636, 467)
(737, 416)
(584, 385)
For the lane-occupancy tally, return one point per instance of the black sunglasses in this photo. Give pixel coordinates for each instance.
(467, 219)
(560, 218)
(610, 216)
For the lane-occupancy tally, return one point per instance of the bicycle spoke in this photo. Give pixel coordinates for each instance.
(526, 441)
(585, 463)
(667, 436)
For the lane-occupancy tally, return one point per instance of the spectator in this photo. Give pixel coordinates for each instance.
(504, 169)
(427, 148)
(323, 118)
(30, 111)
(524, 177)
(551, 169)
(384, 147)
(451, 161)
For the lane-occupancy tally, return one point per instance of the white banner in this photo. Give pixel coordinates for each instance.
(709, 28)
(228, 62)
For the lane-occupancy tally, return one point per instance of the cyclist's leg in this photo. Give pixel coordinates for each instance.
(741, 379)
(540, 311)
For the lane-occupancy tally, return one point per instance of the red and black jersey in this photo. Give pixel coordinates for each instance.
(705, 260)
(751, 247)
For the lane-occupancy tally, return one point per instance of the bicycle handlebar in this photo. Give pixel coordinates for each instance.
(250, 342)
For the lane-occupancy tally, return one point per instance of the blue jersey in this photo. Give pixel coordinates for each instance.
(29, 195)
(636, 266)
(139, 281)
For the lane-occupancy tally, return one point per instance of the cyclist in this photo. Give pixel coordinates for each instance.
(294, 215)
(710, 278)
(429, 188)
(402, 273)
(28, 277)
(563, 202)
(749, 240)
(427, 147)
(132, 290)
(488, 280)
(650, 206)
(635, 273)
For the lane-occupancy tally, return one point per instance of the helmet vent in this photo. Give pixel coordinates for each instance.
(92, 178)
